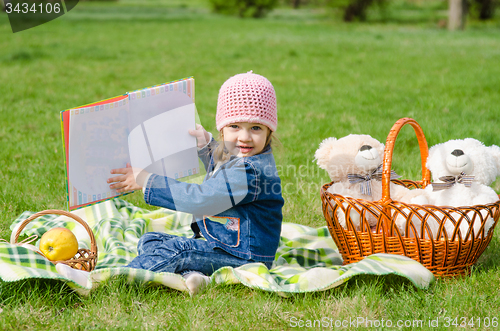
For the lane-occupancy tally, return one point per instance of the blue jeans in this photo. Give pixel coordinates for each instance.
(163, 252)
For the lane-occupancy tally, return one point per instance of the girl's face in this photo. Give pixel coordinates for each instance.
(245, 139)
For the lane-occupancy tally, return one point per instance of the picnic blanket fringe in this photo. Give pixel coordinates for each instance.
(307, 259)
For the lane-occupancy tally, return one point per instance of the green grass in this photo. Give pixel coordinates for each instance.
(331, 79)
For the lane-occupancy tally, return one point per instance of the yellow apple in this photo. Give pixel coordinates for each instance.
(59, 244)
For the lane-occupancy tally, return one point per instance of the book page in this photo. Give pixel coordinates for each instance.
(98, 142)
(159, 141)
(146, 128)
(163, 141)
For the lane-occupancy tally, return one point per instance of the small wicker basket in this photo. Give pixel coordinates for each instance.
(84, 259)
(445, 254)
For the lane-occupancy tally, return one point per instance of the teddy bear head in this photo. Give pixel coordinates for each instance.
(352, 154)
(468, 156)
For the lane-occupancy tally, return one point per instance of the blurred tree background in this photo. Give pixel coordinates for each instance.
(359, 10)
(363, 10)
(244, 8)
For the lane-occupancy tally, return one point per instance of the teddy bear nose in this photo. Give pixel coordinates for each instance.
(457, 152)
(365, 148)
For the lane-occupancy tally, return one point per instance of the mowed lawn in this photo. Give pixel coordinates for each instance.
(331, 79)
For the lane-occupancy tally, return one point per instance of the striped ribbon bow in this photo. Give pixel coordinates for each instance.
(449, 181)
(366, 180)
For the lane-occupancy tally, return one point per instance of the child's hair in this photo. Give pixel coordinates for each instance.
(246, 98)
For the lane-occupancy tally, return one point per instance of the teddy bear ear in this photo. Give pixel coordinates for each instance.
(322, 154)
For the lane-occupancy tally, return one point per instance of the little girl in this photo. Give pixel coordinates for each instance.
(237, 208)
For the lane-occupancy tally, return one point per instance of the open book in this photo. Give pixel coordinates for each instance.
(147, 128)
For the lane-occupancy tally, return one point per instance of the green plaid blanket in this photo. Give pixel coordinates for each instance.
(307, 259)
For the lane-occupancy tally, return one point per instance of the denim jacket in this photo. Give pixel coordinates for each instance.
(237, 207)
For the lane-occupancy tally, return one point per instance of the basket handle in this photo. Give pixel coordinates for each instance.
(15, 236)
(389, 148)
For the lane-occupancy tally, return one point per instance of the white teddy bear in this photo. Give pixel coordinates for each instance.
(462, 171)
(354, 164)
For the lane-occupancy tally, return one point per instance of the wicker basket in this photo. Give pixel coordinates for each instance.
(444, 253)
(84, 259)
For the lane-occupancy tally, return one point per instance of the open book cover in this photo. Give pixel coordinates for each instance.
(147, 128)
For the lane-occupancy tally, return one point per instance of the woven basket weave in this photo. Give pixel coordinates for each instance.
(444, 253)
(84, 259)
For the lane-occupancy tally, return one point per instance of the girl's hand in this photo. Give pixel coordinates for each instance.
(201, 135)
(129, 181)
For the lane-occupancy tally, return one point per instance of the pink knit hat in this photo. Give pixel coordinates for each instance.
(247, 98)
